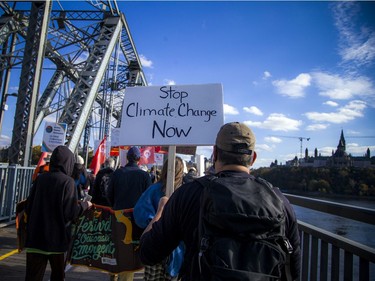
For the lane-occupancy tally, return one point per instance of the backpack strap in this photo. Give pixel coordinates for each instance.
(288, 252)
(202, 241)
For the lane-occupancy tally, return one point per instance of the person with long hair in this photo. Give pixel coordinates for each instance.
(144, 212)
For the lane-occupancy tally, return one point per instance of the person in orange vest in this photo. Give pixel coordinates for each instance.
(41, 168)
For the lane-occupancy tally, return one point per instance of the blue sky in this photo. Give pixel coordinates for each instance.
(290, 69)
(293, 69)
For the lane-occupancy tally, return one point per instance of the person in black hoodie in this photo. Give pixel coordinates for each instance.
(51, 207)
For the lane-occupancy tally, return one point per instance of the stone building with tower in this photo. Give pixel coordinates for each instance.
(339, 158)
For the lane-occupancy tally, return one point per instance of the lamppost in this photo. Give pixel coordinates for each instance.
(3, 108)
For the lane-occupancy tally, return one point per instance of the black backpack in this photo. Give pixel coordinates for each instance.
(104, 184)
(241, 230)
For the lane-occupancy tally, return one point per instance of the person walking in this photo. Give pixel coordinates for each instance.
(144, 212)
(183, 217)
(99, 192)
(50, 209)
(191, 175)
(81, 178)
(125, 187)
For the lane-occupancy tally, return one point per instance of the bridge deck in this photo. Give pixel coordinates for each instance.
(13, 264)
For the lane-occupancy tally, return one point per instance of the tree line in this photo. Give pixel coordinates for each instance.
(35, 155)
(324, 180)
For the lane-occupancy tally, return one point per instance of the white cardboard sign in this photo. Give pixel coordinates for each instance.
(53, 136)
(172, 115)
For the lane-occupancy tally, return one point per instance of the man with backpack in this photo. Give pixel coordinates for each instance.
(127, 184)
(99, 191)
(234, 226)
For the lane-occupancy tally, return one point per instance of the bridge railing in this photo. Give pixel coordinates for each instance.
(327, 256)
(15, 184)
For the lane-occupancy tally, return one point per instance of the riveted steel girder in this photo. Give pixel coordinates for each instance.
(80, 102)
(23, 128)
(48, 95)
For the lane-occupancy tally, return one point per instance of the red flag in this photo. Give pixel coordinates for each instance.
(42, 160)
(99, 157)
(147, 155)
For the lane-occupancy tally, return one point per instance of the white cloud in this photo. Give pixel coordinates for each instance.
(262, 162)
(277, 122)
(230, 110)
(317, 127)
(263, 147)
(145, 62)
(266, 75)
(336, 87)
(49, 118)
(361, 52)
(352, 110)
(326, 151)
(253, 110)
(351, 148)
(331, 103)
(357, 150)
(273, 139)
(352, 132)
(357, 42)
(13, 89)
(293, 88)
(169, 82)
(5, 141)
(82, 58)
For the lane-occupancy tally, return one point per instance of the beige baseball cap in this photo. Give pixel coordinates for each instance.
(236, 137)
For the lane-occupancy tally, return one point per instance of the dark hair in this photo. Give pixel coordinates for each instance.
(77, 170)
(133, 158)
(229, 158)
(178, 174)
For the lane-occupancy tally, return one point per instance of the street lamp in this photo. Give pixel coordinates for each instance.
(3, 108)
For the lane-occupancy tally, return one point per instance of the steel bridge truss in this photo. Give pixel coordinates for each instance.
(88, 58)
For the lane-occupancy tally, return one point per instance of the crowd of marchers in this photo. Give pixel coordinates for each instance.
(224, 225)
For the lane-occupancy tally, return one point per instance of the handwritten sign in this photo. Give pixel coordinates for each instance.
(107, 240)
(54, 135)
(172, 115)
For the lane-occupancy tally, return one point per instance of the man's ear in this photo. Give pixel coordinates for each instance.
(214, 153)
(254, 157)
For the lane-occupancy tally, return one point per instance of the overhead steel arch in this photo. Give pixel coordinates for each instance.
(74, 66)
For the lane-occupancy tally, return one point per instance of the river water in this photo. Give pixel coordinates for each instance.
(353, 230)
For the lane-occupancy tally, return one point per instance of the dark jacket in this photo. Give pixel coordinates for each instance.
(52, 205)
(99, 194)
(180, 222)
(126, 186)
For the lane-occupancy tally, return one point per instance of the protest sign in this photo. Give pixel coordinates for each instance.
(172, 115)
(147, 155)
(115, 136)
(159, 159)
(106, 239)
(54, 135)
